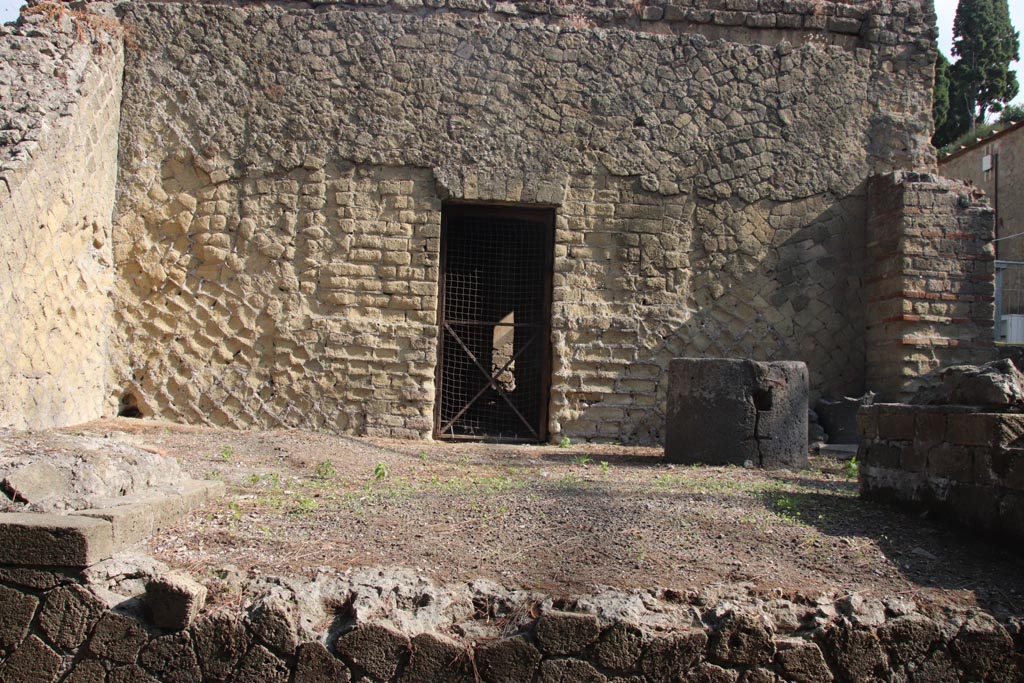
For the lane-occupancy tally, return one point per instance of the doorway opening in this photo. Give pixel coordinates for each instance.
(494, 368)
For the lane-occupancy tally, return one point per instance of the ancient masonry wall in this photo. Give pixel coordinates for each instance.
(930, 280)
(952, 460)
(284, 170)
(60, 85)
(94, 620)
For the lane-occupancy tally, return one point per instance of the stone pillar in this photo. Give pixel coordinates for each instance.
(725, 411)
(930, 280)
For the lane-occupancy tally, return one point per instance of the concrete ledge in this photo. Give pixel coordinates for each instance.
(54, 540)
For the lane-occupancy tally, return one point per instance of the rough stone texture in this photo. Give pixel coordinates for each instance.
(662, 642)
(260, 664)
(963, 465)
(566, 633)
(723, 411)
(317, 665)
(34, 483)
(930, 280)
(86, 671)
(33, 662)
(620, 647)
(17, 610)
(668, 656)
(272, 620)
(374, 648)
(171, 659)
(436, 658)
(508, 660)
(174, 600)
(998, 385)
(742, 639)
(53, 540)
(802, 662)
(220, 640)
(60, 96)
(118, 638)
(278, 228)
(68, 615)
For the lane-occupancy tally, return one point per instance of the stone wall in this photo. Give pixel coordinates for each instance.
(953, 460)
(284, 168)
(126, 620)
(60, 85)
(930, 281)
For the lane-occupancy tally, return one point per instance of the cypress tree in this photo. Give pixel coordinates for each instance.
(985, 42)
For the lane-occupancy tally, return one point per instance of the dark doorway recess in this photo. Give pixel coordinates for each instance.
(493, 377)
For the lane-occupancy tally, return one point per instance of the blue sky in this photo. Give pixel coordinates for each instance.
(945, 9)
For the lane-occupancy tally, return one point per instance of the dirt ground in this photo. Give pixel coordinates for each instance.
(558, 519)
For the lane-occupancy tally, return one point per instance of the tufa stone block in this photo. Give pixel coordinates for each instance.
(564, 633)
(53, 540)
(730, 411)
(174, 600)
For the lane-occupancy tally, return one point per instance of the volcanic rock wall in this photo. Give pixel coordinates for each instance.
(284, 170)
(60, 97)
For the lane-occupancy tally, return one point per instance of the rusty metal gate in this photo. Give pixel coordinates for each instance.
(494, 367)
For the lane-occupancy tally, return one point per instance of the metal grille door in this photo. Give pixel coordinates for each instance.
(493, 376)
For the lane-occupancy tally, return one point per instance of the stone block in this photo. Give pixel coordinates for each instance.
(118, 637)
(315, 664)
(620, 647)
(973, 506)
(68, 615)
(53, 540)
(908, 639)
(35, 482)
(508, 660)
(17, 610)
(729, 411)
(568, 671)
(174, 600)
(801, 661)
(951, 462)
(171, 658)
(33, 662)
(896, 425)
(260, 664)
(1011, 514)
(273, 621)
(437, 658)
(667, 657)
(220, 639)
(742, 639)
(565, 633)
(129, 523)
(972, 429)
(376, 648)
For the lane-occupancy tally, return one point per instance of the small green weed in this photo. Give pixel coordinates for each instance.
(582, 459)
(851, 468)
(381, 471)
(303, 505)
(605, 467)
(325, 470)
(565, 442)
(226, 454)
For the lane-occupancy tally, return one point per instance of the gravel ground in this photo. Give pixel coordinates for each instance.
(562, 520)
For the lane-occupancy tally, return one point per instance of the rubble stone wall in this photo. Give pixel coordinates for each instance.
(58, 626)
(963, 464)
(284, 168)
(60, 85)
(930, 281)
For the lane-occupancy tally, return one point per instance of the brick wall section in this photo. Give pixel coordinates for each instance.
(283, 173)
(930, 282)
(955, 461)
(61, 95)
